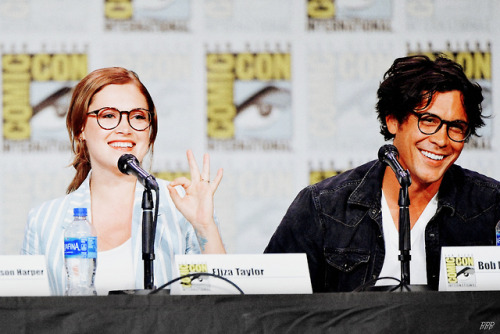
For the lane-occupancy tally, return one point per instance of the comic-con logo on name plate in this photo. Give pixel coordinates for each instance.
(194, 283)
(460, 271)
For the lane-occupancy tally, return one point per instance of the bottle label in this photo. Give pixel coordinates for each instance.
(498, 238)
(83, 248)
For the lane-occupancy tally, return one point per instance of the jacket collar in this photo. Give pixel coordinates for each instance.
(369, 191)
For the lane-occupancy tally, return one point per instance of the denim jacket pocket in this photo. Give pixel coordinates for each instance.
(345, 259)
(346, 268)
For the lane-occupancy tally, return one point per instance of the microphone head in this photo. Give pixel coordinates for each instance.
(387, 149)
(124, 161)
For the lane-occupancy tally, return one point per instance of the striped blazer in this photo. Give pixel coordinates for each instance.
(44, 234)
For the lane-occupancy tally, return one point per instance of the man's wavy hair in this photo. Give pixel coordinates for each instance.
(411, 82)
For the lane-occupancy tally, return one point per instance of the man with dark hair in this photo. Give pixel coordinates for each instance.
(348, 224)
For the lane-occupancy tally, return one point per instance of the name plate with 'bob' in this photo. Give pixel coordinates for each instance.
(470, 268)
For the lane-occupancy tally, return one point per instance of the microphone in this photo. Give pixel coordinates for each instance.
(388, 154)
(128, 164)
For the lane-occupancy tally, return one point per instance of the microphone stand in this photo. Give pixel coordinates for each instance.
(404, 180)
(404, 228)
(404, 257)
(404, 234)
(148, 238)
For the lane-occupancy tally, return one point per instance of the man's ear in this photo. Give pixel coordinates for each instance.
(392, 124)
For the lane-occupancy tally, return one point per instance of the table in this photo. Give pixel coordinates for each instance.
(362, 312)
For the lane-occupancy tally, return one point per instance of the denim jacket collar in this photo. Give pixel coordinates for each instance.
(367, 195)
(368, 192)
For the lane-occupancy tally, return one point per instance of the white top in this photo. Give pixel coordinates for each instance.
(115, 269)
(392, 265)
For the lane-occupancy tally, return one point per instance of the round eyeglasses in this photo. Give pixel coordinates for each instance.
(458, 131)
(108, 118)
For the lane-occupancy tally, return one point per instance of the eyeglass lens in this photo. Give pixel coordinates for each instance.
(430, 124)
(109, 118)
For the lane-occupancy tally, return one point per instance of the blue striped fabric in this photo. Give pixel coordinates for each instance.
(44, 234)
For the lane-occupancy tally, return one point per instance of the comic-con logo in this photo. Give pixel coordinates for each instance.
(249, 99)
(349, 15)
(460, 271)
(146, 15)
(118, 9)
(320, 9)
(192, 282)
(36, 93)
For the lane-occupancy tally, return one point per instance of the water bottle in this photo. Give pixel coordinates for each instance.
(497, 229)
(80, 255)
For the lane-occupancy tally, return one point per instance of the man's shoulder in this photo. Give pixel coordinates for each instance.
(349, 178)
(468, 192)
(466, 177)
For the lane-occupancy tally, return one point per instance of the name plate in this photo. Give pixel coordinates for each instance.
(252, 273)
(23, 275)
(470, 268)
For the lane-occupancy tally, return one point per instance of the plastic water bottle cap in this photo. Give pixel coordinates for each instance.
(79, 212)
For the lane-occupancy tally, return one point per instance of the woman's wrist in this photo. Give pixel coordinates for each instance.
(209, 239)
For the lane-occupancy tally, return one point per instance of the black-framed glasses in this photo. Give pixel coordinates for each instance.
(429, 124)
(108, 118)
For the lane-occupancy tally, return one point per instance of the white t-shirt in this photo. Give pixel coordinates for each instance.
(115, 270)
(392, 265)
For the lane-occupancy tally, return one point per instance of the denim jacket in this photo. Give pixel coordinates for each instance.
(338, 224)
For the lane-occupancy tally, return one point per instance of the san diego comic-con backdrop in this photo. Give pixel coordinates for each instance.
(281, 93)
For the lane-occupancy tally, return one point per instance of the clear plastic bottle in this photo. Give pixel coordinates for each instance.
(497, 229)
(80, 255)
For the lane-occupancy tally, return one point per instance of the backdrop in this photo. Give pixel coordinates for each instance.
(281, 93)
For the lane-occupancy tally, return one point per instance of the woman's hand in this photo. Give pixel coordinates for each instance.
(198, 203)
